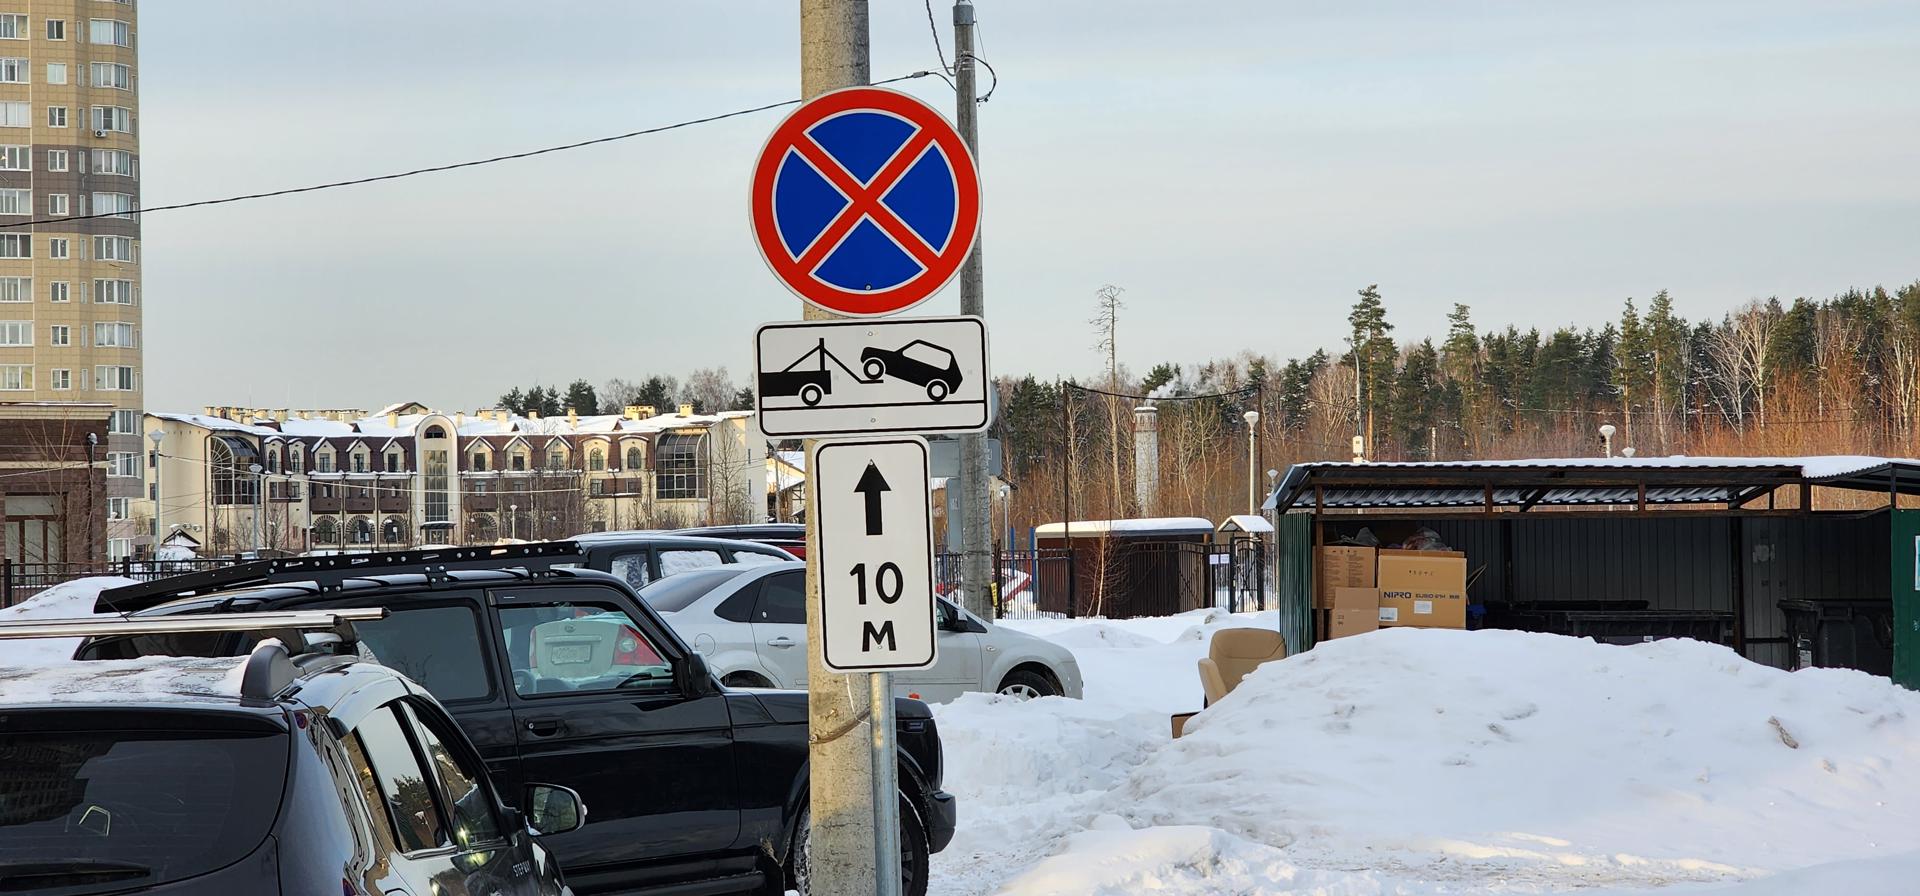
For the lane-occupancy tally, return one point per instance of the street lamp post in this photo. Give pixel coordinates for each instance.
(1006, 515)
(513, 522)
(1606, 437)
(1253, 461)
(259, 505)
(306, 500)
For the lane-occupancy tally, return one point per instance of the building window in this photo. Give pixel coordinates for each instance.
(557, 459)
(124, 422)
(597, 488)
(636, 459)
(13, 26)
(113, 118)
(57, 205)
(123, 464)
(679, 466)
(62, 379)
(13, 70)
(16, 289)
(59, 335)
(113, 161)
(112, 74)
(110, 31)
(296, 461)
(56, 116)
(520, 461)
(115, 335)
(105, 292)
(16, 202)
(479, 489)
(359, 462)
(16, 158)
(393, 462)
(109, 378)
(477, 461)
(119, 205)
(113, 248)
(438, 485)
(56, 73)
(273, 459)
(56, 29)
(16, 115)
(16, 377)
(597, 460)
(16, 332)
(323, 462)
(16, 245)
(117, 508)
(59, 247)
(56, 160)
(57, 291)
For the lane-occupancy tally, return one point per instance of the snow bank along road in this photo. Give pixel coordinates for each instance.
(1430, 762)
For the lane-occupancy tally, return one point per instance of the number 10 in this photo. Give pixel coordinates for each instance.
(889, 591)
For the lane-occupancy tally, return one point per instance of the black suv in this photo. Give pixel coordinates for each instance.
(560, 674)
(314, 775)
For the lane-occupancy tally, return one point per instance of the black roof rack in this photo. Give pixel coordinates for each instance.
(330, 572)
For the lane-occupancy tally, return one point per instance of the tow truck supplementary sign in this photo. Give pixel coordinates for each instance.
(865, 201)
(875, 554)
(850, 377)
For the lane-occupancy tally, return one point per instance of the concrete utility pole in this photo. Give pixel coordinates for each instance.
(976, 499)
(842, 855)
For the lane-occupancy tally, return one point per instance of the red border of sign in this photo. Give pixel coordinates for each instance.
(883, 301)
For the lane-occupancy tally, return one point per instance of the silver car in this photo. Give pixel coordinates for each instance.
(750, 622)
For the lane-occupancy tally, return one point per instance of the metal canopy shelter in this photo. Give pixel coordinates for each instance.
(1730, 483)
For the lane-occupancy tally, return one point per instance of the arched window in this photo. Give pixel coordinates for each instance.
(361, 530)
(481, 530)
(597, 460)
(325, 531)
(393, 530)
(296, 459)
(229, 459)
(273, 459)
(680, 466)
(435, 432)
(636, 460)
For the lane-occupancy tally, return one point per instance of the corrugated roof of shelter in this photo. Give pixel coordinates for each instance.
(1172, 525)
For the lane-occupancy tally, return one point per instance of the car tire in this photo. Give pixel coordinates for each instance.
(937, 390)
(810, 394)
(1026, 685)
(874, 368)
(745, 680)
(915, 860)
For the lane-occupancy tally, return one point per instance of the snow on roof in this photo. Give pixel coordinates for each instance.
(153, 679)
(1172, 525)
(1812, 467)
(376, 427)
(1247, 522)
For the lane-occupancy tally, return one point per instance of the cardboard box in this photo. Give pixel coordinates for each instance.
(1432, 572)
(1355, 611)
(1341, 566)
(1422, 609)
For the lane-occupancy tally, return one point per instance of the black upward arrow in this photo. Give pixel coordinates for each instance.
(872, 484)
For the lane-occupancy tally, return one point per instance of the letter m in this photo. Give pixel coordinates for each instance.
(870, 636)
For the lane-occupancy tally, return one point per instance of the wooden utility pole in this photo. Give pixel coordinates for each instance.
(841, 854)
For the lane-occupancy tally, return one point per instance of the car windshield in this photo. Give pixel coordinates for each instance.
(95, 811)
(928, 354)
(671, 595)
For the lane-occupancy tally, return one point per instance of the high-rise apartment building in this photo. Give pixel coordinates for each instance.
(70, 286)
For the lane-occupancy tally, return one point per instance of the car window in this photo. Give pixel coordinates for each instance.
(928, 355)
(471, 804)
(783, 600)
(399, 783)
(577, 646)
(632, 567)
(439, 647)
(163, 803)
(679, 560)
(751, 557)
(674, 594)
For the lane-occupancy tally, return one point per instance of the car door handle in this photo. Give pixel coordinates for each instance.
(782, 642)
(545, 727)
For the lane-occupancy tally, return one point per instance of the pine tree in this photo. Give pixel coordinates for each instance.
(1417, 402)
(1373, 356)
(514, 401)
(581, 398)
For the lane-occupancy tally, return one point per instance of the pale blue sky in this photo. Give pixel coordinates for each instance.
(1241, 168)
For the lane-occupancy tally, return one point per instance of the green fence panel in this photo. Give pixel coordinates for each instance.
(1293, 559)
(1906, 598)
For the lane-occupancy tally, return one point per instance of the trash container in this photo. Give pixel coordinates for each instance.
(1841, 634)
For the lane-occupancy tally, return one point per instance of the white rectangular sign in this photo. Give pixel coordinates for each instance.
(856, 377)
(875, 554)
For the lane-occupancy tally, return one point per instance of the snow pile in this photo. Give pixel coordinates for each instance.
(67, 600)
(1142, 665)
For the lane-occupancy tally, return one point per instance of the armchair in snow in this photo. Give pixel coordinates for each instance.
(1231, 654)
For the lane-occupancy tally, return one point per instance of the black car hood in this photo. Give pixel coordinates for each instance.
(790, 707)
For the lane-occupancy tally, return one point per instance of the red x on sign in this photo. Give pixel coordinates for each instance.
(865, 201)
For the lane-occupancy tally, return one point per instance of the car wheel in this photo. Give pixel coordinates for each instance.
(914, 857)
(874, 368)
(937, 390)
(810, 395)
(1025, 685)
(745, 680)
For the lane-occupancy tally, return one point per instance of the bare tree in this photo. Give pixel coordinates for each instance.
(1106, 325)
(709, 389)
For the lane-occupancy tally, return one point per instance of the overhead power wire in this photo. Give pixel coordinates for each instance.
(938, 48)
(472, 163)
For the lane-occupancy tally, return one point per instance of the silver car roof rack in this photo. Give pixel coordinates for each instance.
(270, 669)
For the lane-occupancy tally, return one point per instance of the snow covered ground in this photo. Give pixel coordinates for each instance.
(1432, 762)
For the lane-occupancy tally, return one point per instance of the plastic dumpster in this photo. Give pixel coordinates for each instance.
(1841, 634)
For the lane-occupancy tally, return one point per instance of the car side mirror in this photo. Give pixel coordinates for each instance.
(692, 677)
(552, 809)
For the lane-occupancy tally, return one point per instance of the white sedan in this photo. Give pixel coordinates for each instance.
(750, 623)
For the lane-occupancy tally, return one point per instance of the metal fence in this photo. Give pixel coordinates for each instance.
(1119, 582)
(19, 581)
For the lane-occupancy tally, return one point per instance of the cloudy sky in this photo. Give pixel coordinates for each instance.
(1240, 168)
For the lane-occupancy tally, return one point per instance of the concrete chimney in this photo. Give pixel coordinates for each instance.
(393, 419)
(1146, 458)
(686, 410)
(573, 417)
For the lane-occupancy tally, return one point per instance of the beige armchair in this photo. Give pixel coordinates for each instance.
(1232, 654)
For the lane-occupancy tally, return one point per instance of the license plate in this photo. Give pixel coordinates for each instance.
(577, 654)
